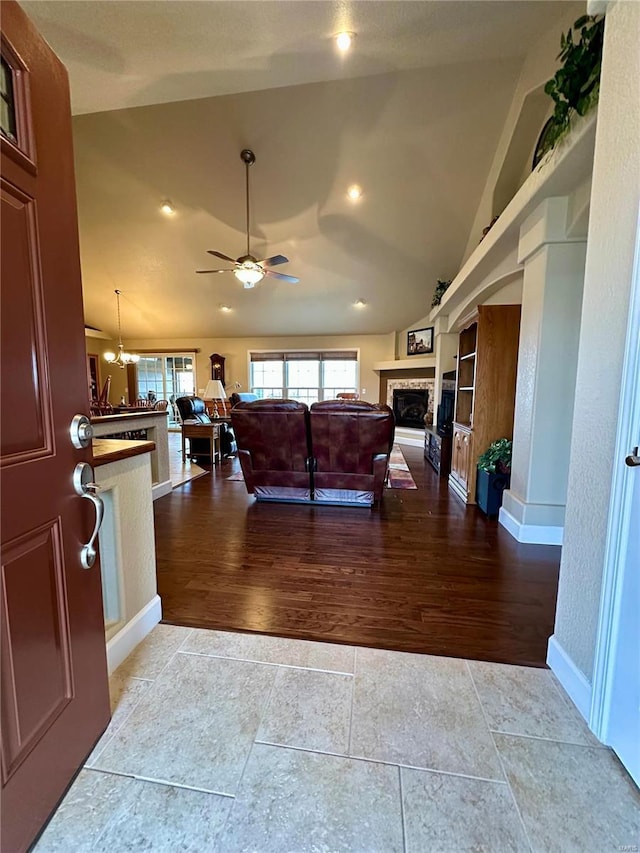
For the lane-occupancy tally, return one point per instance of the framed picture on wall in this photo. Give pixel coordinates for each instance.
(420, 341)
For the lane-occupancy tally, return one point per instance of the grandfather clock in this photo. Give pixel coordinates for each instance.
(217, 366)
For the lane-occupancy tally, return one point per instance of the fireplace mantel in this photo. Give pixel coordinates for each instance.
(406, 363)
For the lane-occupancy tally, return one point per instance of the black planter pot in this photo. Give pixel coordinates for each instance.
(489, 489)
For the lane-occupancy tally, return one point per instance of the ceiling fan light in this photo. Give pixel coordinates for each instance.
(249, 274)
(344, 41)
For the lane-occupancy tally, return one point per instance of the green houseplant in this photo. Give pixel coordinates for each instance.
(575, 86)
(494, 475)
(439, 292)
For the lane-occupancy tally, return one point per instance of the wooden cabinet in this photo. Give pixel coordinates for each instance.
(437, 450)
(485, 391)
(460, 455)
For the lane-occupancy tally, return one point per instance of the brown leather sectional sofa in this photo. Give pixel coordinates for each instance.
(336, 452)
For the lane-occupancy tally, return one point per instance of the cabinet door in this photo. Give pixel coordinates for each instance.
(456, 460)
(465, 455)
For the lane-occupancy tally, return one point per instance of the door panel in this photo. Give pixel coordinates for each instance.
(25, 405)
(55, 701)
(36, 666)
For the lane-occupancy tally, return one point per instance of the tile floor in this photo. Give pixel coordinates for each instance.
(237, 742)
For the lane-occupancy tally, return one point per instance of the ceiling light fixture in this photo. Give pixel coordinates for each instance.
(354, 192)
(122, 358)
(344, 41)
(359, 303)
(225, 308)
(167, 208)
(249, 273)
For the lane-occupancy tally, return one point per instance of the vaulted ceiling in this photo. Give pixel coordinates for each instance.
(166, 94)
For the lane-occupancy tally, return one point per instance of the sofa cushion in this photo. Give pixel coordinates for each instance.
(350, 444)
(273, 447)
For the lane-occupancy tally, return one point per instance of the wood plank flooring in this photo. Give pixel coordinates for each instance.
(421, 574)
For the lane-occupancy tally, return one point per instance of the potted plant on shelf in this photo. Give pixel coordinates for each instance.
(494, 475)
(575, 86)
(439, 292)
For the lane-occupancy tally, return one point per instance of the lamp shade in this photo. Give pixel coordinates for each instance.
(214, 390)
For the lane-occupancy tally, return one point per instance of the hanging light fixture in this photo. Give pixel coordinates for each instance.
(122, 358)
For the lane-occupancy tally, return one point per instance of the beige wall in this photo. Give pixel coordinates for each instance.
(372, 348)
(608, 275)
(539, 66)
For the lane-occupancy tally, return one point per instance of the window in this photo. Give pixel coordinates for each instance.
(304, 376)
(7, 103)
(165, 377)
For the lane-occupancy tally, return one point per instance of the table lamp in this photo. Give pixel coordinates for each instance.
(214, 391)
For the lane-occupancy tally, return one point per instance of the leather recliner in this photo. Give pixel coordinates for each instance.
(193, 409)
(273, 448)
(351, 441)
(337, 452)
(242, 397)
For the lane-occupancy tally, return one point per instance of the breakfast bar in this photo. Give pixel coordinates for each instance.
(122, 471)
(150, 426)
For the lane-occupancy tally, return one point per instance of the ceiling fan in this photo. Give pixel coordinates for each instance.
(248, 269)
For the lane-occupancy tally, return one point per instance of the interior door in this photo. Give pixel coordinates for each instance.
(615, 708)
(53, 676)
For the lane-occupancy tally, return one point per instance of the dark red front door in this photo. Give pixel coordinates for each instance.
(54, 683)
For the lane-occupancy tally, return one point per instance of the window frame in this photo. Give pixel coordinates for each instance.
(324, 355)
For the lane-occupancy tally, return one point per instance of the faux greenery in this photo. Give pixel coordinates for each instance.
(439, 292)
(576, 84)
(497, 457)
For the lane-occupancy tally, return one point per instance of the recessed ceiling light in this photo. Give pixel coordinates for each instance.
(359, 303)
(167, 208)
(354, 192)
(344, 41)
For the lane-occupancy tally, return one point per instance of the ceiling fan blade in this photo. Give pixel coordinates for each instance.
(221, 256)
(280, 275)
(274, 261)
(206, 271)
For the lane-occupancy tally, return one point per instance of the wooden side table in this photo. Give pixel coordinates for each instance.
(203, 432)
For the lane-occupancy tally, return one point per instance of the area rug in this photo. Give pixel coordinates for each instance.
(399, 474)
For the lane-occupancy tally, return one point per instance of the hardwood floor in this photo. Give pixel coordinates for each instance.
(421, 574)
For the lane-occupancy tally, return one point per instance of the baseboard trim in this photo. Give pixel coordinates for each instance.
(124, 642)
(570, 677)
(532, 534)
(457, 489)
(159, 490)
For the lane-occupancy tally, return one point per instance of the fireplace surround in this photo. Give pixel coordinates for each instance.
(410, 405)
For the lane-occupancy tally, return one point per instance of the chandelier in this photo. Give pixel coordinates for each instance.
(122, 358)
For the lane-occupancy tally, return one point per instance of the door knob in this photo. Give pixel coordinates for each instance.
(633, 459)
(86, 488)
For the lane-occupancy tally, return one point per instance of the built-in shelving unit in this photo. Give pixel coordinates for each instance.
(485, 390)
(466, 375)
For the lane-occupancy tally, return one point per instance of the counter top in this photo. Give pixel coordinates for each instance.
(125, 416)
(107, 450)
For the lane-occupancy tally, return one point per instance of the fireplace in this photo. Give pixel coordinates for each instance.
(410, 406)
